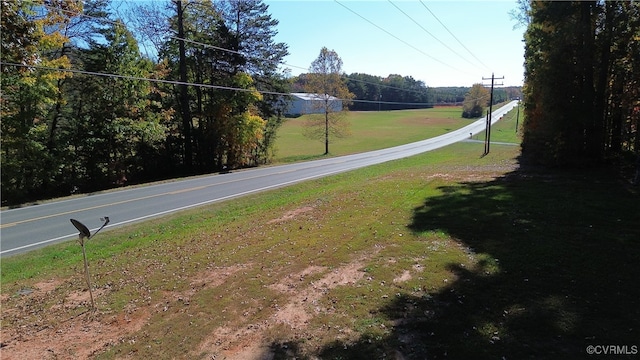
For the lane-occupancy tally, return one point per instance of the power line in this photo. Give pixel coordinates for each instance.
(129, 77)
(172, 36)
(429, 33)
(399, 39)
(121, 23)
(449, 31)
(174, 82)
(206, 45)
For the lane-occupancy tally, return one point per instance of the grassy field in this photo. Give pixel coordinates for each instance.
(505, 129)
(371, 130)
(442, 255)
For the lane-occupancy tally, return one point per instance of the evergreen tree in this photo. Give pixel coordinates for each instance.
(253, 31)
(115, 118)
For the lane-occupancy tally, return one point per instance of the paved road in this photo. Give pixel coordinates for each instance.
(27, 228)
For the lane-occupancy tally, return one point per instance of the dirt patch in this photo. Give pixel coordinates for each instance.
(78, 337)
(293, 281)
(291, 214)
(406, 276)
(250, 342)
(60, 332)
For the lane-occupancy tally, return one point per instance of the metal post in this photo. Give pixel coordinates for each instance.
(86, 272)
(517, 116)
(86, 234)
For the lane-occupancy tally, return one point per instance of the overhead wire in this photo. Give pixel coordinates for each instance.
(210, 86)
(429, 33)
(399, 39)
(283, 63)
(169, 36)
(139, 78)
(455, 37)
(208, 45)
(212, 46)
(196, 84)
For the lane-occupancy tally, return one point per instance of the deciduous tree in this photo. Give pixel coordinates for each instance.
(325, 81)
(253, 33)
(115, 119)
(578, 105)
(30, 34)
(475, 101)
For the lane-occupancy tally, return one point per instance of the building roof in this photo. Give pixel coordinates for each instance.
(311, 96)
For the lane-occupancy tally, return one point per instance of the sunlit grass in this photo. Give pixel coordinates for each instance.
(371, 130)
(453, 255)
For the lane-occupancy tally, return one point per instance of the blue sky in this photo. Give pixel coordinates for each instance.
(485, 28)
(402, 37)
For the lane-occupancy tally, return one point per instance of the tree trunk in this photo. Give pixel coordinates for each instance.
(593, 126)
(602, 87)
(184, 94)
(326, 129)
(615, 142)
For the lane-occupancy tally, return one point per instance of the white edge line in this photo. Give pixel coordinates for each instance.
(177, 209)
(200, 203)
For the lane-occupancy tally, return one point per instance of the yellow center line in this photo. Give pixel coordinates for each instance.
(2, 226)
(187, 190)
(75, 211)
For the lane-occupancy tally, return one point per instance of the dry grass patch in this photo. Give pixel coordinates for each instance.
(235, 289)
(434, 257)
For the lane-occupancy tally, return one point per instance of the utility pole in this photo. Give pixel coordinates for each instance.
(488, 131)
(487, 125)
(518, 115)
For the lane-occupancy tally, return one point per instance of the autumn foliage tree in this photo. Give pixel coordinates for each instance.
(475, 101)
(30, 37)
(84, 109)
(325, 81)
(582, 81)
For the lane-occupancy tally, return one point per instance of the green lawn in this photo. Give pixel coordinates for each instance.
(371, 130)
(442, 255)
(505, 129)
(447, 254)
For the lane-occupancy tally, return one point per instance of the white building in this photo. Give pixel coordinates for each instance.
(306, 103)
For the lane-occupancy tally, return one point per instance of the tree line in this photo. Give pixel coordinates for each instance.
(582, 81)
(479, 96)
(91, 100)
(396, 92)
(82, 109)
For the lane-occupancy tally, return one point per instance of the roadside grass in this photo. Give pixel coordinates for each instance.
(442, 255)
(445, 254)
(371, 130)
(505, 129)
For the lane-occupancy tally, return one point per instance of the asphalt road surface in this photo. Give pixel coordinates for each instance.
(30, 227)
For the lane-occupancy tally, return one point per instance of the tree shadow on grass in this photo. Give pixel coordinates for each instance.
(558, 271)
